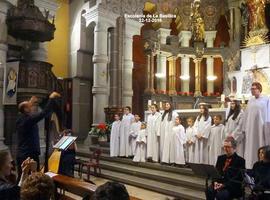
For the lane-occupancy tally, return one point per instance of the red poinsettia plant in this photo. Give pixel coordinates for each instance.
(101, 130)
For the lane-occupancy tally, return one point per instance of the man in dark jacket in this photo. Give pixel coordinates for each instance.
(27, 129)
(230, 166)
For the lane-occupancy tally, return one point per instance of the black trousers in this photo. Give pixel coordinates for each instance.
(222, 194)
(20, 160)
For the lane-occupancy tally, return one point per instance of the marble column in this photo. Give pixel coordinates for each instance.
(209, 39)
(131, 28)
(100, 61)
(172, 77)
(197, 62)
(4, 6)
(149, 89)
(163, 33)
(184, 38)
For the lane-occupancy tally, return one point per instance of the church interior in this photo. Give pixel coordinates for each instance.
(102, 56)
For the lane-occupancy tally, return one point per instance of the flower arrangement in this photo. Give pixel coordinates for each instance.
(101, 130)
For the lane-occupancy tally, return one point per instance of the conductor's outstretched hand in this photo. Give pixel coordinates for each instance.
(54, 95)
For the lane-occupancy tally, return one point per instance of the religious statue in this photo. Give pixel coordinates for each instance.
(256, 14)
(197, 22)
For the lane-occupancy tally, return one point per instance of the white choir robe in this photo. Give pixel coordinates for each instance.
(190, 148)
(256, 127)
(153, 132)
(125, 149)
(114, 139)
(178, 140)
(134, 128)
(140, 152)
(201, 151)
(166, 135)
(234, 128)
(215, 139)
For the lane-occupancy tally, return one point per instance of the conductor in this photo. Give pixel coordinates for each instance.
(27, 129)
(229, 167)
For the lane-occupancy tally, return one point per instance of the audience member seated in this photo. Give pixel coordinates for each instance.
(37, 186)
(111, 191)
(9, 190)
(230, 167)
(261, 174)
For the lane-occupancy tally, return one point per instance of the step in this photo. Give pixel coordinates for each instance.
(150, 165)
(161, 176)
(160, 187)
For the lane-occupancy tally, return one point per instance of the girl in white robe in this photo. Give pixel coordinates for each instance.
(190, 144)
(140, 152)
(178, 140)
(114, 138)
(135, 127)
(152, 130)
(127, 119)
(202, 128)
(166, 134)
(215, 140)
(234, 126)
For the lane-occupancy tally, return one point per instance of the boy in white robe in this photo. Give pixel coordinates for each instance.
(215, 140)
(190, 144)
(178, 140)
(127, 119)
(202, 127)
(167, 123)
(135, 127)
(152, 130)
(114, 138)
(140, 152)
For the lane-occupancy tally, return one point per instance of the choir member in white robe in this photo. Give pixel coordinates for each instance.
(233, 126)
(178, 140)
(115, 134)
(166, 133)
(190, 144)
(256, 124)
(215, 140)
(127, 119)
(135, 127)
(202, 128)
(152, 130)
(140, 152)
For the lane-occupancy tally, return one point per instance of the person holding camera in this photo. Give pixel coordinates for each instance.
(27, 129)
(9, 190)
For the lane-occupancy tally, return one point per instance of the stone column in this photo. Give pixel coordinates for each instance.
(40, 52)
(149, 89)
(4, 6)
(113, 68)
(131, 28)
(209, 39)
(197, 62)
(185, 37)
(172, 77)
(163, 33)
(100, 60)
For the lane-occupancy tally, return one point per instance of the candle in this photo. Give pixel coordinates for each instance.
(160, 105)
(155, 102)
(243, 99)
(222, 98)
(149, 102)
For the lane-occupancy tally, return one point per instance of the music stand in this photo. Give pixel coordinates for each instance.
(64, 142)
(206, 171)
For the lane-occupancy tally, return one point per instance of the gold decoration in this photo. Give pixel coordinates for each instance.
(255, 38)
(256, 14)
(197, 22)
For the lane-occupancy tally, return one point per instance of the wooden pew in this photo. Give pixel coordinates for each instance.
(73, 185)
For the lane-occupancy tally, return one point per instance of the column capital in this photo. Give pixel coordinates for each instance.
(209, 38)
(163, 33)
(184, 38)
(133, 27)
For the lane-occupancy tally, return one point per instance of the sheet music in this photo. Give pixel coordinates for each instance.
(64, 142)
